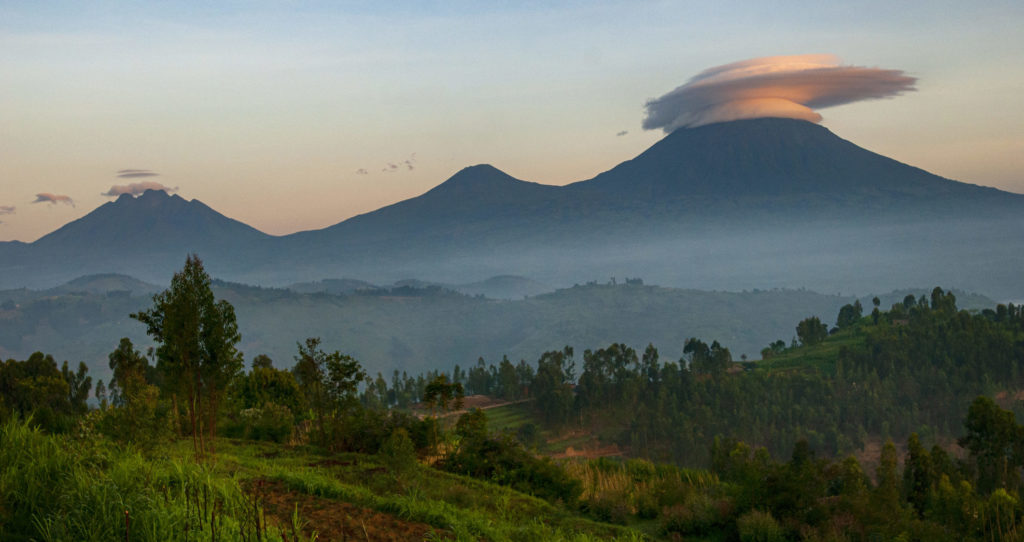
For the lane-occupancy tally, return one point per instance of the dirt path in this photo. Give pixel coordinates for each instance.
(336, 520)
(481, 402)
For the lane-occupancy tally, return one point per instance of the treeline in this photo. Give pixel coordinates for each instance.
(749, 495)
(912, 368)
(903, 374)
(56, 397)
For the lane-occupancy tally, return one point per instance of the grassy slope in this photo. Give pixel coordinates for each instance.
(64, 489)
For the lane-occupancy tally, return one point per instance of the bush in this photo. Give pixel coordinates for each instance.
(274, 422)
(503, 460)
(757, 526)
(610, 507)
(398, 453)
(700, 515)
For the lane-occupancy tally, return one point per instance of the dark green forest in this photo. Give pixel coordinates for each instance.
(898, 423)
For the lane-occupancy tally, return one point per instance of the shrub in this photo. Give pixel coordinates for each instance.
(758, 526)
(398, 452)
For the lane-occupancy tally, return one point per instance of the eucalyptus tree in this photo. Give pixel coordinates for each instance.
(197, 354)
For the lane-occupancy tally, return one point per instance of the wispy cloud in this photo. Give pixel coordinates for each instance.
(7, 209)
(779, 86)
(136, 173)
(622, 133)
(362, 171)
(408, 164)
(46, 197)
(136, 189)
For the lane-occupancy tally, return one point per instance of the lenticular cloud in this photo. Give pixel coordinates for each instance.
(776, 86)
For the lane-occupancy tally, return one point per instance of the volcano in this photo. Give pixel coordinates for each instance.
(750, 203)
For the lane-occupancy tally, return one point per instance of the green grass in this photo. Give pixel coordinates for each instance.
(509, 417)
(819, 356)
(63, 488)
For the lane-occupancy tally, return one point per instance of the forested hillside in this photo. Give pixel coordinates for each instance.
(418, 328)
(188, 443)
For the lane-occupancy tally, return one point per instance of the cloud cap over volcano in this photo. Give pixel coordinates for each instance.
(775, 86)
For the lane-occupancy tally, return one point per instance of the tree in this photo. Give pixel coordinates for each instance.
(552, 385)
(262, 361)
(714, 359)
(330, 382)
(849, 315)
(129, 368)
(442, 393)
(917, 475)
(996, 444)
(197, 337)
(135, 400)
(78, 386)
(811, 331)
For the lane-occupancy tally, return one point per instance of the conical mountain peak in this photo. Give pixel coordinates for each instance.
(768, 157)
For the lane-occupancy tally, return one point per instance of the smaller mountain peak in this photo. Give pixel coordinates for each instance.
(154, 194)
(478, 176)
(480, 172)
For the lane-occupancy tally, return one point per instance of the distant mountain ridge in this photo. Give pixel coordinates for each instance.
(806, 207)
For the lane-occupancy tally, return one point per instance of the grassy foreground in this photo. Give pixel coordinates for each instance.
(82, 487)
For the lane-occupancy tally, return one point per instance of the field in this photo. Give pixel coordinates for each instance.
(84, 488)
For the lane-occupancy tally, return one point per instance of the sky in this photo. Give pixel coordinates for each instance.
(291, 115)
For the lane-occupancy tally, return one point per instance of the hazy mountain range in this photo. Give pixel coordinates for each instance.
(414, 326)
(747, 204)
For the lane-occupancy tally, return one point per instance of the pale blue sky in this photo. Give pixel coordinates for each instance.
(267, 110)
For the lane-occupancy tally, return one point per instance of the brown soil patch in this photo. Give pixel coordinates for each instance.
(612, 450)
(481, 402)
(334, 520)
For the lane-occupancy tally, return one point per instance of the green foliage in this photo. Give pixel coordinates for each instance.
(271, 422)
(849, 314)
(197, 337)
(811, 331)
(399, 453)
(503, 460)
(552, 386)
(996, 444)
(758, 526)
(53, 397)
(55, 488)
(330, 382)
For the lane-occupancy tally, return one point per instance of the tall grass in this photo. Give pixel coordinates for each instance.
(54, 487)
(619, 491)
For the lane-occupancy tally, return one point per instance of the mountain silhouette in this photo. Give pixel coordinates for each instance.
(776, 163)
(152, 219)
(750, 203)
(141, 236)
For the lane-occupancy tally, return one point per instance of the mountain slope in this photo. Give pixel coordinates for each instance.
(148, 236)
(782, 161)
(154, 219)
(757, 203)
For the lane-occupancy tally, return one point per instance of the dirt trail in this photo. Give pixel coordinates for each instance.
(336, 520)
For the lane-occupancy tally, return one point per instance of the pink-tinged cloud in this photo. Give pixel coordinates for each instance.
(46, 197)
(136, 189)
(7, 209)
(777, 86)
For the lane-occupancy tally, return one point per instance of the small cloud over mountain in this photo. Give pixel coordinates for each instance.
(136, 189)
(136, 173)
(46, 197)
